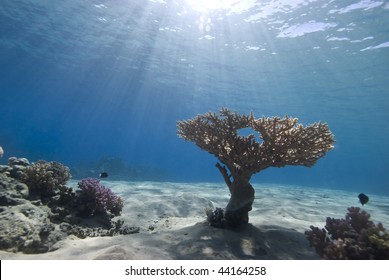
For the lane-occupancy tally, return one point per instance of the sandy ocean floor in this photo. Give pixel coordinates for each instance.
(172, 223)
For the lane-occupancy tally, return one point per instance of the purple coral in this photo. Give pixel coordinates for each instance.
(98, 198)
(355, 237)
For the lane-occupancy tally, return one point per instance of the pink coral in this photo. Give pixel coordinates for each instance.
(98, 198)
(355, 237)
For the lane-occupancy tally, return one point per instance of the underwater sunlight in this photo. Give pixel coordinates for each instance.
(209, 6)
(143, 129)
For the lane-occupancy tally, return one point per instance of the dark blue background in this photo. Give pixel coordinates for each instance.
(78, 82)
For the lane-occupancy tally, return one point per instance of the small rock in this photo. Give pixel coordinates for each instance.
(18, 161)
(22, 190)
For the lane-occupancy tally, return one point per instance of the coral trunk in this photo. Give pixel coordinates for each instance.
(237, 211)
(241, 201)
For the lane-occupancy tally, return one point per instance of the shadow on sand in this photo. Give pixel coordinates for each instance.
(202, 241)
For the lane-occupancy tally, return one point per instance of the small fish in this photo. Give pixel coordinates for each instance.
(363, 198)
(103, 175)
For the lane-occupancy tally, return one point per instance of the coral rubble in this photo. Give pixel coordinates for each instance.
(354, 238)
(283, 141)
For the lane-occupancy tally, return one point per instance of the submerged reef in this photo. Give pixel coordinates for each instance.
(283, 141)
(37, 209)
(355, 237)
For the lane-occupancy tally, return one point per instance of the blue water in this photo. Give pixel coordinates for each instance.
(80, 80)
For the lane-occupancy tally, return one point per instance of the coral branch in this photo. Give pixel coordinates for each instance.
(284, 141)
(224, 172)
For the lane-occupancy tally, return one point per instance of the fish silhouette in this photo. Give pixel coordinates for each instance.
(363, 198)
(103, 175)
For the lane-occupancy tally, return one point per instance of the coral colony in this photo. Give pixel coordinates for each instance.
(45, 178)
(353, 238)
(98, 198)
(283, 142)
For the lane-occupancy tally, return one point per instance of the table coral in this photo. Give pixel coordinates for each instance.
(281, 142)
(355, 237)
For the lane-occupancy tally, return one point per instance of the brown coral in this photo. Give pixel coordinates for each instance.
(45, 178)
(282, 141)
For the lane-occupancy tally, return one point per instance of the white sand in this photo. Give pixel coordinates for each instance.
(175, 211)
